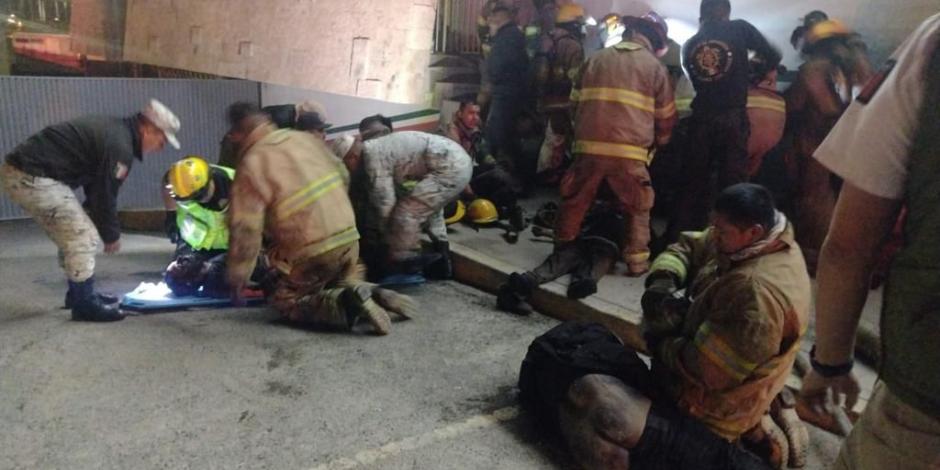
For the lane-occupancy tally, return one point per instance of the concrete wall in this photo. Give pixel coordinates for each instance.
(378, 49)
(97, 28)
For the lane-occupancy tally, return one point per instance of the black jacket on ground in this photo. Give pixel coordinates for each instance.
(508, 62)
(717, 62)
(92, 152)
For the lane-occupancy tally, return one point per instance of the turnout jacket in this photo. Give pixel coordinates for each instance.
(738, 340)
(95, 153)
(291, 189)
(625, 104)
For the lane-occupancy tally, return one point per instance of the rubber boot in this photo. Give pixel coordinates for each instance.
(88, 307)
(359, 304)
(442, 269)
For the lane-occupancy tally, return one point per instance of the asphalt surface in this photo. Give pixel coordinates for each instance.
(239, 388)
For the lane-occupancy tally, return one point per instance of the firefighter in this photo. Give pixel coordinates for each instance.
(836, 66)
(290, 188)
(767, 116)
(95, 153)
(201, 194)
(720, 353)
(556, 65)
(624, 110)
(887, 149)
(442, 170)
(716, 150)
(507, 68)
(587, 260)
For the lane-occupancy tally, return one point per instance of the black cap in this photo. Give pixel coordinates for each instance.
(311, 121)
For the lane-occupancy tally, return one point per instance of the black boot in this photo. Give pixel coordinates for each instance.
(581, 288)
(86, 305)
(443, 268)
(414, 264)
(523, 283)
(508, 300)
(104, 297)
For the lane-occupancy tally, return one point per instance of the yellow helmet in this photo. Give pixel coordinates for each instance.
(454, 212)
(188, 176)
(570, 12)
(826, 29)
(482, 211)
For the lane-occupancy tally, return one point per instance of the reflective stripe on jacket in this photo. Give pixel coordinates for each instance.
(739, 338)
(625, 104)
(202, 228)
(290, 187)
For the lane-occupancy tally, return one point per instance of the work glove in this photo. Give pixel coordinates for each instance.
(170, 228)
(659, 321)
(659, 287)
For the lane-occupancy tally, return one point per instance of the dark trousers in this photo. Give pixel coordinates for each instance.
(501, 129)
(715, 158)
(584, 259)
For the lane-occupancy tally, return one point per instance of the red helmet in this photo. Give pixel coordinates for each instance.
(653, 27)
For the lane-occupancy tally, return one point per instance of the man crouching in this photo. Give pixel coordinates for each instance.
(720, 353)
(290, 188)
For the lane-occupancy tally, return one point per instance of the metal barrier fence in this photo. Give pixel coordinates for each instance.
(27, 104)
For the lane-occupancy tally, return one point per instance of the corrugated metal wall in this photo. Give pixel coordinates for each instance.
(27, 104)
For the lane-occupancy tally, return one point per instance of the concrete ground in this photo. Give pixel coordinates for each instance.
(237, 388)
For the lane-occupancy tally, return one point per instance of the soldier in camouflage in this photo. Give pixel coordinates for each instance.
(95, 153)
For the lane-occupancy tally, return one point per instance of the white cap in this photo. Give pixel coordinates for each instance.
(161, 116)
(342, 144)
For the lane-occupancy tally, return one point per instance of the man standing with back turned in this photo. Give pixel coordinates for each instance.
(716, 60)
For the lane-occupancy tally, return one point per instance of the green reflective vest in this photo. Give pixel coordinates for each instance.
(910, 321)
(201, 228)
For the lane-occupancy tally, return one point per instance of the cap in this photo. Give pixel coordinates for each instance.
(311, 121)
(161, 116)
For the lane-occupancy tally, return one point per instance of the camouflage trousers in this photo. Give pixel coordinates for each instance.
(56, 209)
(424, 205)
(311, 292)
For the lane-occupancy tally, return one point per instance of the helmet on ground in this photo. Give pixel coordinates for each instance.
(482, 211)
(825, 30)
(188, 177)
(454, 212)
(570, 12)
(652, 27)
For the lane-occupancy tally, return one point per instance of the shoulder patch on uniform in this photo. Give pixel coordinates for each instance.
(120, 171)
(875, 83)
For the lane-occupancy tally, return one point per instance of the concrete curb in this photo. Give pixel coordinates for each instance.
(484, 272)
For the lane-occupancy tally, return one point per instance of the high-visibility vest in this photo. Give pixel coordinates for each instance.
(202, 228)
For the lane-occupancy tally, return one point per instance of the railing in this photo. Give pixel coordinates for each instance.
(455, 30)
